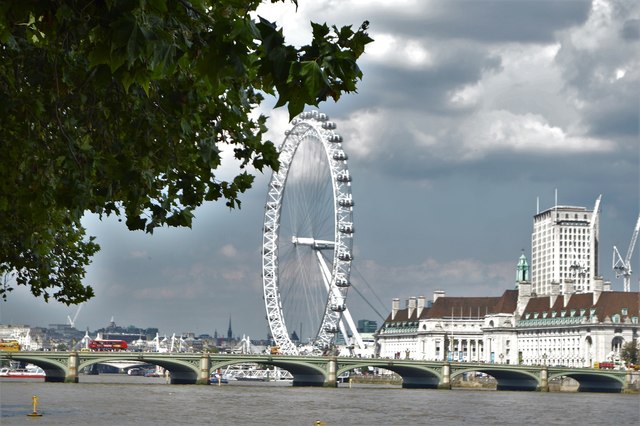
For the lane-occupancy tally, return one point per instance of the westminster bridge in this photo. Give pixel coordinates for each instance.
(195, 368)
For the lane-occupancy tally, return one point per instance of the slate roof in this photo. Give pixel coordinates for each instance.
(462, 307)
(403, 315)
(609, 303)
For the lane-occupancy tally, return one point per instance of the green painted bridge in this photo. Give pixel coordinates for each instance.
(195, 368)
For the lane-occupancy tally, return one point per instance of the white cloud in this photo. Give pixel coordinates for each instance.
(138, 254)
(228, 250)
(501, 130)
(399, 52)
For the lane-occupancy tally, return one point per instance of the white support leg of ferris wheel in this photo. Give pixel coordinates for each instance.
(346, 315)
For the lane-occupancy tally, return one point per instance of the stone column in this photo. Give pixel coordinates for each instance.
(203, 374)
(628, 381)
(332, 378)
(446, 377)
(72, 371)
(544, 380)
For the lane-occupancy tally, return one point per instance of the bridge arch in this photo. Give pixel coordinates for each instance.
(304, 373)
(596, 381)
(413, 376)
(180, 371)
(55, 368)
(506, 379)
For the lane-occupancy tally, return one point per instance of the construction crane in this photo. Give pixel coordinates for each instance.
(622, 267)
(72, 322)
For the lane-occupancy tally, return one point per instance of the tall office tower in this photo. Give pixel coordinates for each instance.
(564, 250)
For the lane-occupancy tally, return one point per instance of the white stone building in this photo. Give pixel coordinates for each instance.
(564, 247)
(519, 327)
(560, 314)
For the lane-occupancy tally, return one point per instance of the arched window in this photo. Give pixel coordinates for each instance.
(616, 344)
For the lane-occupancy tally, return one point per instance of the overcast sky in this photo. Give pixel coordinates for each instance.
(468, 113)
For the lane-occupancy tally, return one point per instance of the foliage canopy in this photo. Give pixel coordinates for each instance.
(630, 352)
(122, 107)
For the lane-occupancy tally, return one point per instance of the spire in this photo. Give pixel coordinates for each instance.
(229, 332)
(522, 270)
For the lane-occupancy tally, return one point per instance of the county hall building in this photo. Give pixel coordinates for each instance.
(560, 312)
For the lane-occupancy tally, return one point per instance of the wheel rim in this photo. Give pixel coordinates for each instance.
(308, 235)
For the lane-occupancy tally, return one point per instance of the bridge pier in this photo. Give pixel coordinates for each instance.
(72, 371)
(446, 377)
(631, 381)
(544, 380)
(205, 366)
(332, 378)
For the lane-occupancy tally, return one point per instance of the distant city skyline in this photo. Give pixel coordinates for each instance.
(470, 115)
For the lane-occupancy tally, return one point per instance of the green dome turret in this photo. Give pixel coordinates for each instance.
(522, 270)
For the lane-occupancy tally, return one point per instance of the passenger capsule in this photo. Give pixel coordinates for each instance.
(340, 155)
(347, 228)
(335, 138)
(344, 176)
(344, 255)
(341, 281)
(345, 202)
(330, 125)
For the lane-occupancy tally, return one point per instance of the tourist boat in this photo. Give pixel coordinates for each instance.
(31, 372)
(217, 378)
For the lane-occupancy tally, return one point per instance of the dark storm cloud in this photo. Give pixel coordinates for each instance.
(484, 21)
(499, 21)
(631, 29)
(426, 88)
(601, 67)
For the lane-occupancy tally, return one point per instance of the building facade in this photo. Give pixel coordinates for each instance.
(518, 327)
(564, 247)
(560, 313)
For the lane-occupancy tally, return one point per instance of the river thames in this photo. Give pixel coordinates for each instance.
(125, 400)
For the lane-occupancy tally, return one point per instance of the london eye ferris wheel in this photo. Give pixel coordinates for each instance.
(308, 237)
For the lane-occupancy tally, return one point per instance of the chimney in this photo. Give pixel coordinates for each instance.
(395, 306)
(598, 285)
(438, 294)
(420, 307)
(569, 289)
(411, 306)
(524, 294)
(606, 286)
(555, 292)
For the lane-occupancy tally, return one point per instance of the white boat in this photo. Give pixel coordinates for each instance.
(251, 372)
(31, 372)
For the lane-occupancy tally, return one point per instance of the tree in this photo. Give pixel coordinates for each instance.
(629, 353)
(122, 107)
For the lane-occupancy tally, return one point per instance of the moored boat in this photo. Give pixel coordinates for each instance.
(22, 373)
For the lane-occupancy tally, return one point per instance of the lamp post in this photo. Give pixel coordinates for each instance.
(582, 362)
(501, 356)
(544, 359)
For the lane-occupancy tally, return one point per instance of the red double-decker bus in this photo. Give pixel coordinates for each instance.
(107, 345)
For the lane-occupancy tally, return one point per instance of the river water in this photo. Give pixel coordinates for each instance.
(133, 400)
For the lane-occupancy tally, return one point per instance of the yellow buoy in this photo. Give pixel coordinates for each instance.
(35, 407)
